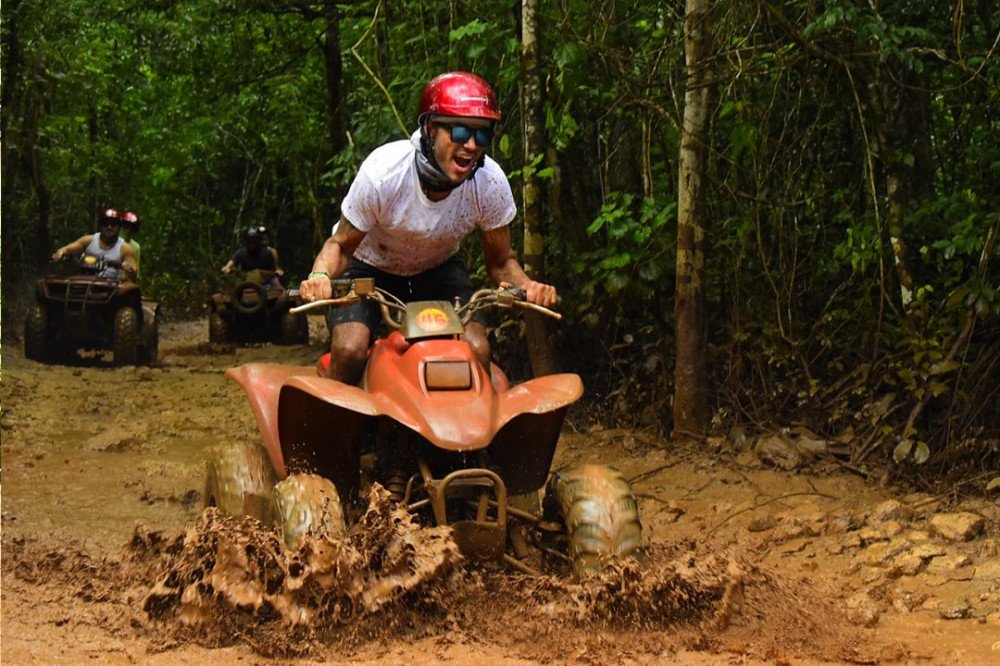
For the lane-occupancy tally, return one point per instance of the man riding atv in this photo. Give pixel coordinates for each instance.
(98, 306)
(407, 211)
(106, 245)
(253, 256)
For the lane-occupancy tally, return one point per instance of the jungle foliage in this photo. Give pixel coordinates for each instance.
(852, 268)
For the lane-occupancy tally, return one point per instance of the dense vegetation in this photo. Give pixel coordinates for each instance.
(852, 263)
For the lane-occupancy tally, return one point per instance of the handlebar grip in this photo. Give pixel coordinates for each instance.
(522, 295)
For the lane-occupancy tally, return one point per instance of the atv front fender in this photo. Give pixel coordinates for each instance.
(308, 423)
(540, 395)
(262, 383)
(531, 415)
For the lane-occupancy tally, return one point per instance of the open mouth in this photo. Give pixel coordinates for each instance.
(463, 163)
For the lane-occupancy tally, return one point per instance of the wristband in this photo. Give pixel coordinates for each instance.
(318, 274)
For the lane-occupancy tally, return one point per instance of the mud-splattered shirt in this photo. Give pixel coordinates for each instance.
(407, 233)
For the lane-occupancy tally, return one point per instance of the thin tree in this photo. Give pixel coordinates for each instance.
(691, 376)
(539, 346)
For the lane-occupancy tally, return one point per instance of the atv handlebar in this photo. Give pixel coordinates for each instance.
(347, 291)
(87, 262)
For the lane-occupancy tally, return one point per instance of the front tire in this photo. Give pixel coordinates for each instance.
(294, 329)
(218, 328)
(36, 331)
(126, 337)
(308, 504)
(151, 350)
(240, 481)
(249, 298)
(600, 513)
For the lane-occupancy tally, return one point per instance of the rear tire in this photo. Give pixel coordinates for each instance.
(218, 328)
(240, 480)
(126, 337)
(600, 514)
(308, 504)
(36, 332)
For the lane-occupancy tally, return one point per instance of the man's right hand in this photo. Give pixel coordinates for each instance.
(57, 255)
(316, 288)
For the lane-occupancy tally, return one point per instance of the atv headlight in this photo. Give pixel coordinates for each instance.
(448, 375)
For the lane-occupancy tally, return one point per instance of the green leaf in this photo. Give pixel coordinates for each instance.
(902, 450)
(569, 54)
(473, 28)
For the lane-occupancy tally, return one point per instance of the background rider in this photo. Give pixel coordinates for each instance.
(105, 244)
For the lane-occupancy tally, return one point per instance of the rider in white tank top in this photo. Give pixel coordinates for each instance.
(113, 254)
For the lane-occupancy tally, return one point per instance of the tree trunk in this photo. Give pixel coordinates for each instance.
(536, 325)
(11, 71)
(902, 132)
(334, 65)
(691, 377)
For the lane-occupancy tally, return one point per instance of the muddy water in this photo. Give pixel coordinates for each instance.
(109, 558)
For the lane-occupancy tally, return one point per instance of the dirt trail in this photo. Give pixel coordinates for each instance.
(108, 558)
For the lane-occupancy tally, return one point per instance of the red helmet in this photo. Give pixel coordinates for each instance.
(131, 220)
(110, 213)
(459, 94)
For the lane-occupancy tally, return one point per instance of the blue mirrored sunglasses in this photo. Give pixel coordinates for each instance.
(461, 133)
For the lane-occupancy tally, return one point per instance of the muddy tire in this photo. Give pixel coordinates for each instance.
(600, 514)
(294, 329)
(36, 333)
(151, 350)
(218, 328)
(126, 337)
(249, 298)
(308, 503)
(240, 480)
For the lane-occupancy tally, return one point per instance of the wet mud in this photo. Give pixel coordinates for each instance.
(108, 556)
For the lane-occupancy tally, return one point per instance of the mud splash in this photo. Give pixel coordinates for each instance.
(225, 582)
(684, 597)
(226, 568)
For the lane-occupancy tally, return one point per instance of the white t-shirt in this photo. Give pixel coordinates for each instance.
(407, 233)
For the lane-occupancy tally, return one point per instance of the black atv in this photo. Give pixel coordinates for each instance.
(76, 309)
(255, 308)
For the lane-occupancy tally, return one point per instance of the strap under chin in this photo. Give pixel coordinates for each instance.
(430, 174)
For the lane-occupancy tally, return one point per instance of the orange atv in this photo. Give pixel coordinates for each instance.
(79, 309)
(430, 425)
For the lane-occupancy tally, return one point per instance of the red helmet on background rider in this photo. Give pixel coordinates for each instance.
(459, 94)
(130, 221)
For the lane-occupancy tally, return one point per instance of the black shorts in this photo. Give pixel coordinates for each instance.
(442, 283)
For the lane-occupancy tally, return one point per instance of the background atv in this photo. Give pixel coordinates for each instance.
(452, 443)
(77, 309)
(254, 308)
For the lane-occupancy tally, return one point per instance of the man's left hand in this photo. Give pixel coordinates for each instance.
(540, 293)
